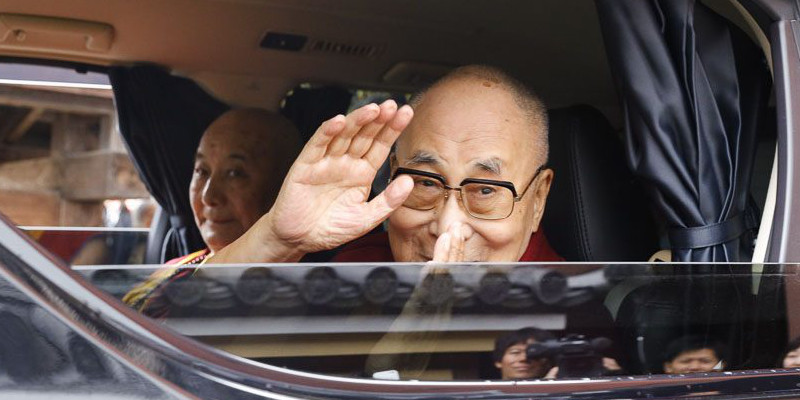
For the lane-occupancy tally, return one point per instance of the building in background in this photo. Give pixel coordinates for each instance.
(62, 159)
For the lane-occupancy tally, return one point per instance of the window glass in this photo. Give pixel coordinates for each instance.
(471, 322)
(65, 174)
(66, 178)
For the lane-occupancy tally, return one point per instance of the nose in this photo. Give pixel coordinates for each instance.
(213, 194)
(696, 366)
(522, 358)
(450, 212)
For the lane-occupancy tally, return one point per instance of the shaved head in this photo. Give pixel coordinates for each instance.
(273, 137)
(241, 162)
(475, 123)
(528, 102)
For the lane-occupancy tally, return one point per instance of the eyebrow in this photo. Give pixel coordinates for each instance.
(235, 156)
(492, 165)
(423, 158)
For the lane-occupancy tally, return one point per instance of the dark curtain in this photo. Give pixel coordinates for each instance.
(308, 108)
(162, 118)
(694, 89)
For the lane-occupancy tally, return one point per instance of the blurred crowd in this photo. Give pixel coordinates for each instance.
(532, 353)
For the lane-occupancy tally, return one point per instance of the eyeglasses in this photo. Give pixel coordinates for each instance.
(482, 198)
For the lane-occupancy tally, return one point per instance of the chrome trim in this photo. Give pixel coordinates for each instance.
(786, 227)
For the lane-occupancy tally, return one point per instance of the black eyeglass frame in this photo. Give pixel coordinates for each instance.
(505, 184)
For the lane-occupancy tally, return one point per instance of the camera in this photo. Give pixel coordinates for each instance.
(575, 355)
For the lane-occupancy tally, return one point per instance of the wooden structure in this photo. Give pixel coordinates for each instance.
(61, 156)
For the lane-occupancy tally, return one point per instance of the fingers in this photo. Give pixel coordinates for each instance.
(367, 132)
(353, 124)
(449, 246)
(361, 142)
(383, 142)
(456, 243)
(317, 146)
(336, 132)
(379, 208)
(441, 250)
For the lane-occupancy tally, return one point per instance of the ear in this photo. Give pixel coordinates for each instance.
(540, 192)
(498, 365)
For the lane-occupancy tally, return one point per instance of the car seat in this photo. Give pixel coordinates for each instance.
(596, 211)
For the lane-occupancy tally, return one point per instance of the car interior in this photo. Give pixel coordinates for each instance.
(189, 61)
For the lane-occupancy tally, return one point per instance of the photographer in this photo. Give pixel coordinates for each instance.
(532, 353)
(510, 354)
(576, 356)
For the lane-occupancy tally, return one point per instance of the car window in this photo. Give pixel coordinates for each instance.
(66, 176)
(79, 170)
(476, 322)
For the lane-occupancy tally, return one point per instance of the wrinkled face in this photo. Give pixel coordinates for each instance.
(792, 359)
(702, 360)
(469, 129)
(514, 364)
(232, 186)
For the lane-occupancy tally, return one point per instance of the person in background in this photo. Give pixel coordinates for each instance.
(791, 357)
(510, 357)
(690, 354)
(240, 164)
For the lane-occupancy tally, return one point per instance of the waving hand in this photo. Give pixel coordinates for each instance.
(323, 201)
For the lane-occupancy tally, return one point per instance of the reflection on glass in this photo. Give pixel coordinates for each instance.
(455, 322)
(93, 246)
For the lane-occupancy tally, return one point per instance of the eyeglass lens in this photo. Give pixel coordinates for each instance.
(481, 200)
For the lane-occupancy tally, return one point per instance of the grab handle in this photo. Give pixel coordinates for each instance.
(49, 33)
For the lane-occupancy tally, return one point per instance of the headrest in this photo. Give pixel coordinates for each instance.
(595, 210)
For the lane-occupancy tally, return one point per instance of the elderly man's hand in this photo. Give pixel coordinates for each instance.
(449, 246)
(323, 201)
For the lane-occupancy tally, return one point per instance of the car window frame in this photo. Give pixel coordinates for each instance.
(54, 275)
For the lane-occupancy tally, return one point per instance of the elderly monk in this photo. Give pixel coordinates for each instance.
(239, 167)
(240, 163)
(468, 180)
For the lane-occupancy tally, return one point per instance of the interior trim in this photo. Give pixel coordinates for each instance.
(787, 86)
(762, 240)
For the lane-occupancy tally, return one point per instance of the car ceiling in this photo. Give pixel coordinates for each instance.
(554, 45)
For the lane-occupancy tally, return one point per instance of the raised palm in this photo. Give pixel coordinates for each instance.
(323, 201)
